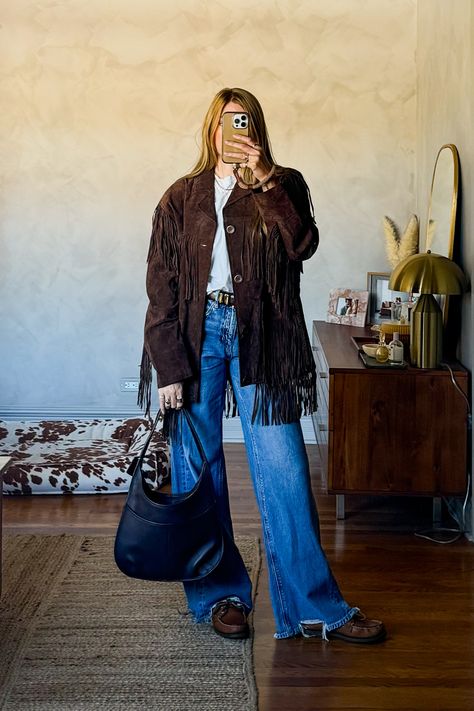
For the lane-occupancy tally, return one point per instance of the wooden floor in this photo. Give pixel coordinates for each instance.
(422, 590)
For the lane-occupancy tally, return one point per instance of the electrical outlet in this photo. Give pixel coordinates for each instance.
(129, 385)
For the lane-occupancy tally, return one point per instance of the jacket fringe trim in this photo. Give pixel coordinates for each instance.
(283, 405)
(145, 385)
(252, 253)
(181, 258)
(164, 240)
(190, 267)
(282, 277)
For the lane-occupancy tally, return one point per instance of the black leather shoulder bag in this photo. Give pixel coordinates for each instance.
(169, 536)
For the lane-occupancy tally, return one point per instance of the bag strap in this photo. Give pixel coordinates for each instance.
(160, 417)
(141, 456)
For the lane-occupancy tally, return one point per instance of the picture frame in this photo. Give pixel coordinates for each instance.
(348, 306)
(385, 304)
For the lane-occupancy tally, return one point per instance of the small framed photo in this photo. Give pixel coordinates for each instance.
(347, 307)
(385, 304)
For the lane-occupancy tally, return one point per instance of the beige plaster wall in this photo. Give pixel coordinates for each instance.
(446, 115)
(445, 58)
(101, 108)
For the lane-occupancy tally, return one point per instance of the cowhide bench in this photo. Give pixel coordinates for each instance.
(78, 456)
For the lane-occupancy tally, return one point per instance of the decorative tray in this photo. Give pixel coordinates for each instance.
(372, 362)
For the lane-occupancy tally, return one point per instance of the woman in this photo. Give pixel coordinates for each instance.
(225, 330)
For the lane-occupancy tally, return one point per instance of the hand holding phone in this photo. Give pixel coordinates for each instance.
(233, 123)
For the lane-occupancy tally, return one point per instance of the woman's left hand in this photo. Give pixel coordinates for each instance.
(255, 160)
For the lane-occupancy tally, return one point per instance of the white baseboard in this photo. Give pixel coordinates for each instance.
(231, 425)
(63, 413)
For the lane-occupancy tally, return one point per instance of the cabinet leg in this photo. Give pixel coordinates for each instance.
(436, 509)
(340, 512)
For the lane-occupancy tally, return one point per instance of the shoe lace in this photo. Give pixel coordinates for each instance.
(224, 606)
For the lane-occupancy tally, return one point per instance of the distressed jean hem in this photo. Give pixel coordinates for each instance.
(329, 626)
(208, 616)
(288, 633)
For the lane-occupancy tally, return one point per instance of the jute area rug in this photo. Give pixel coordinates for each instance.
(78, 635)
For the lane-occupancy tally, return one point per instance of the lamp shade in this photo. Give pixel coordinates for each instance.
(428, 273)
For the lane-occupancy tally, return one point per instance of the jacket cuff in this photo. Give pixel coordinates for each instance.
(169, 379)
(274, 203)
(170, 363)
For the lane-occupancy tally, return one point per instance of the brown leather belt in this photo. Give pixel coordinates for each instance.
(222, 297)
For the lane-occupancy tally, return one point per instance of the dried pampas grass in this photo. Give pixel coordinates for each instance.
(399, 246)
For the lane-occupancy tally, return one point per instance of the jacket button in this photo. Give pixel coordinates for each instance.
(230, 229)
(238, 278)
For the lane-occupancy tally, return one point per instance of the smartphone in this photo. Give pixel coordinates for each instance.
(233, 122)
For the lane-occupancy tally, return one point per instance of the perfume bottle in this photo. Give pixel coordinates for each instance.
(395, 349)
(382, 352)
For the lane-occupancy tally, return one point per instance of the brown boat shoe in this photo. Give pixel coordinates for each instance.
(359, 630)
(229, 619)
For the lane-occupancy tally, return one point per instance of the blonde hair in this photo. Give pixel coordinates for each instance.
(258, 131)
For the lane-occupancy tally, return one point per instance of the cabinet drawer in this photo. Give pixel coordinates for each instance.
(322, 375)
(321, 416)
(322, 396)
(319, 360)
(321, 431)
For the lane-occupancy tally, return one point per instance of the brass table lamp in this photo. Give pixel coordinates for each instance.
(427, 274)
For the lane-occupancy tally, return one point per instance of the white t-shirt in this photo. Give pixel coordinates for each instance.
(219, 275)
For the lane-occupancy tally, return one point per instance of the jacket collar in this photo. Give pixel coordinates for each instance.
(203, 186)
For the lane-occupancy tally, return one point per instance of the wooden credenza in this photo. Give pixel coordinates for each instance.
(382, 431)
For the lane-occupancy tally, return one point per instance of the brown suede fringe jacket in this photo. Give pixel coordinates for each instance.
(268, 235)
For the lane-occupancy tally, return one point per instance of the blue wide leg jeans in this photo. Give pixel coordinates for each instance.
(302, 587)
